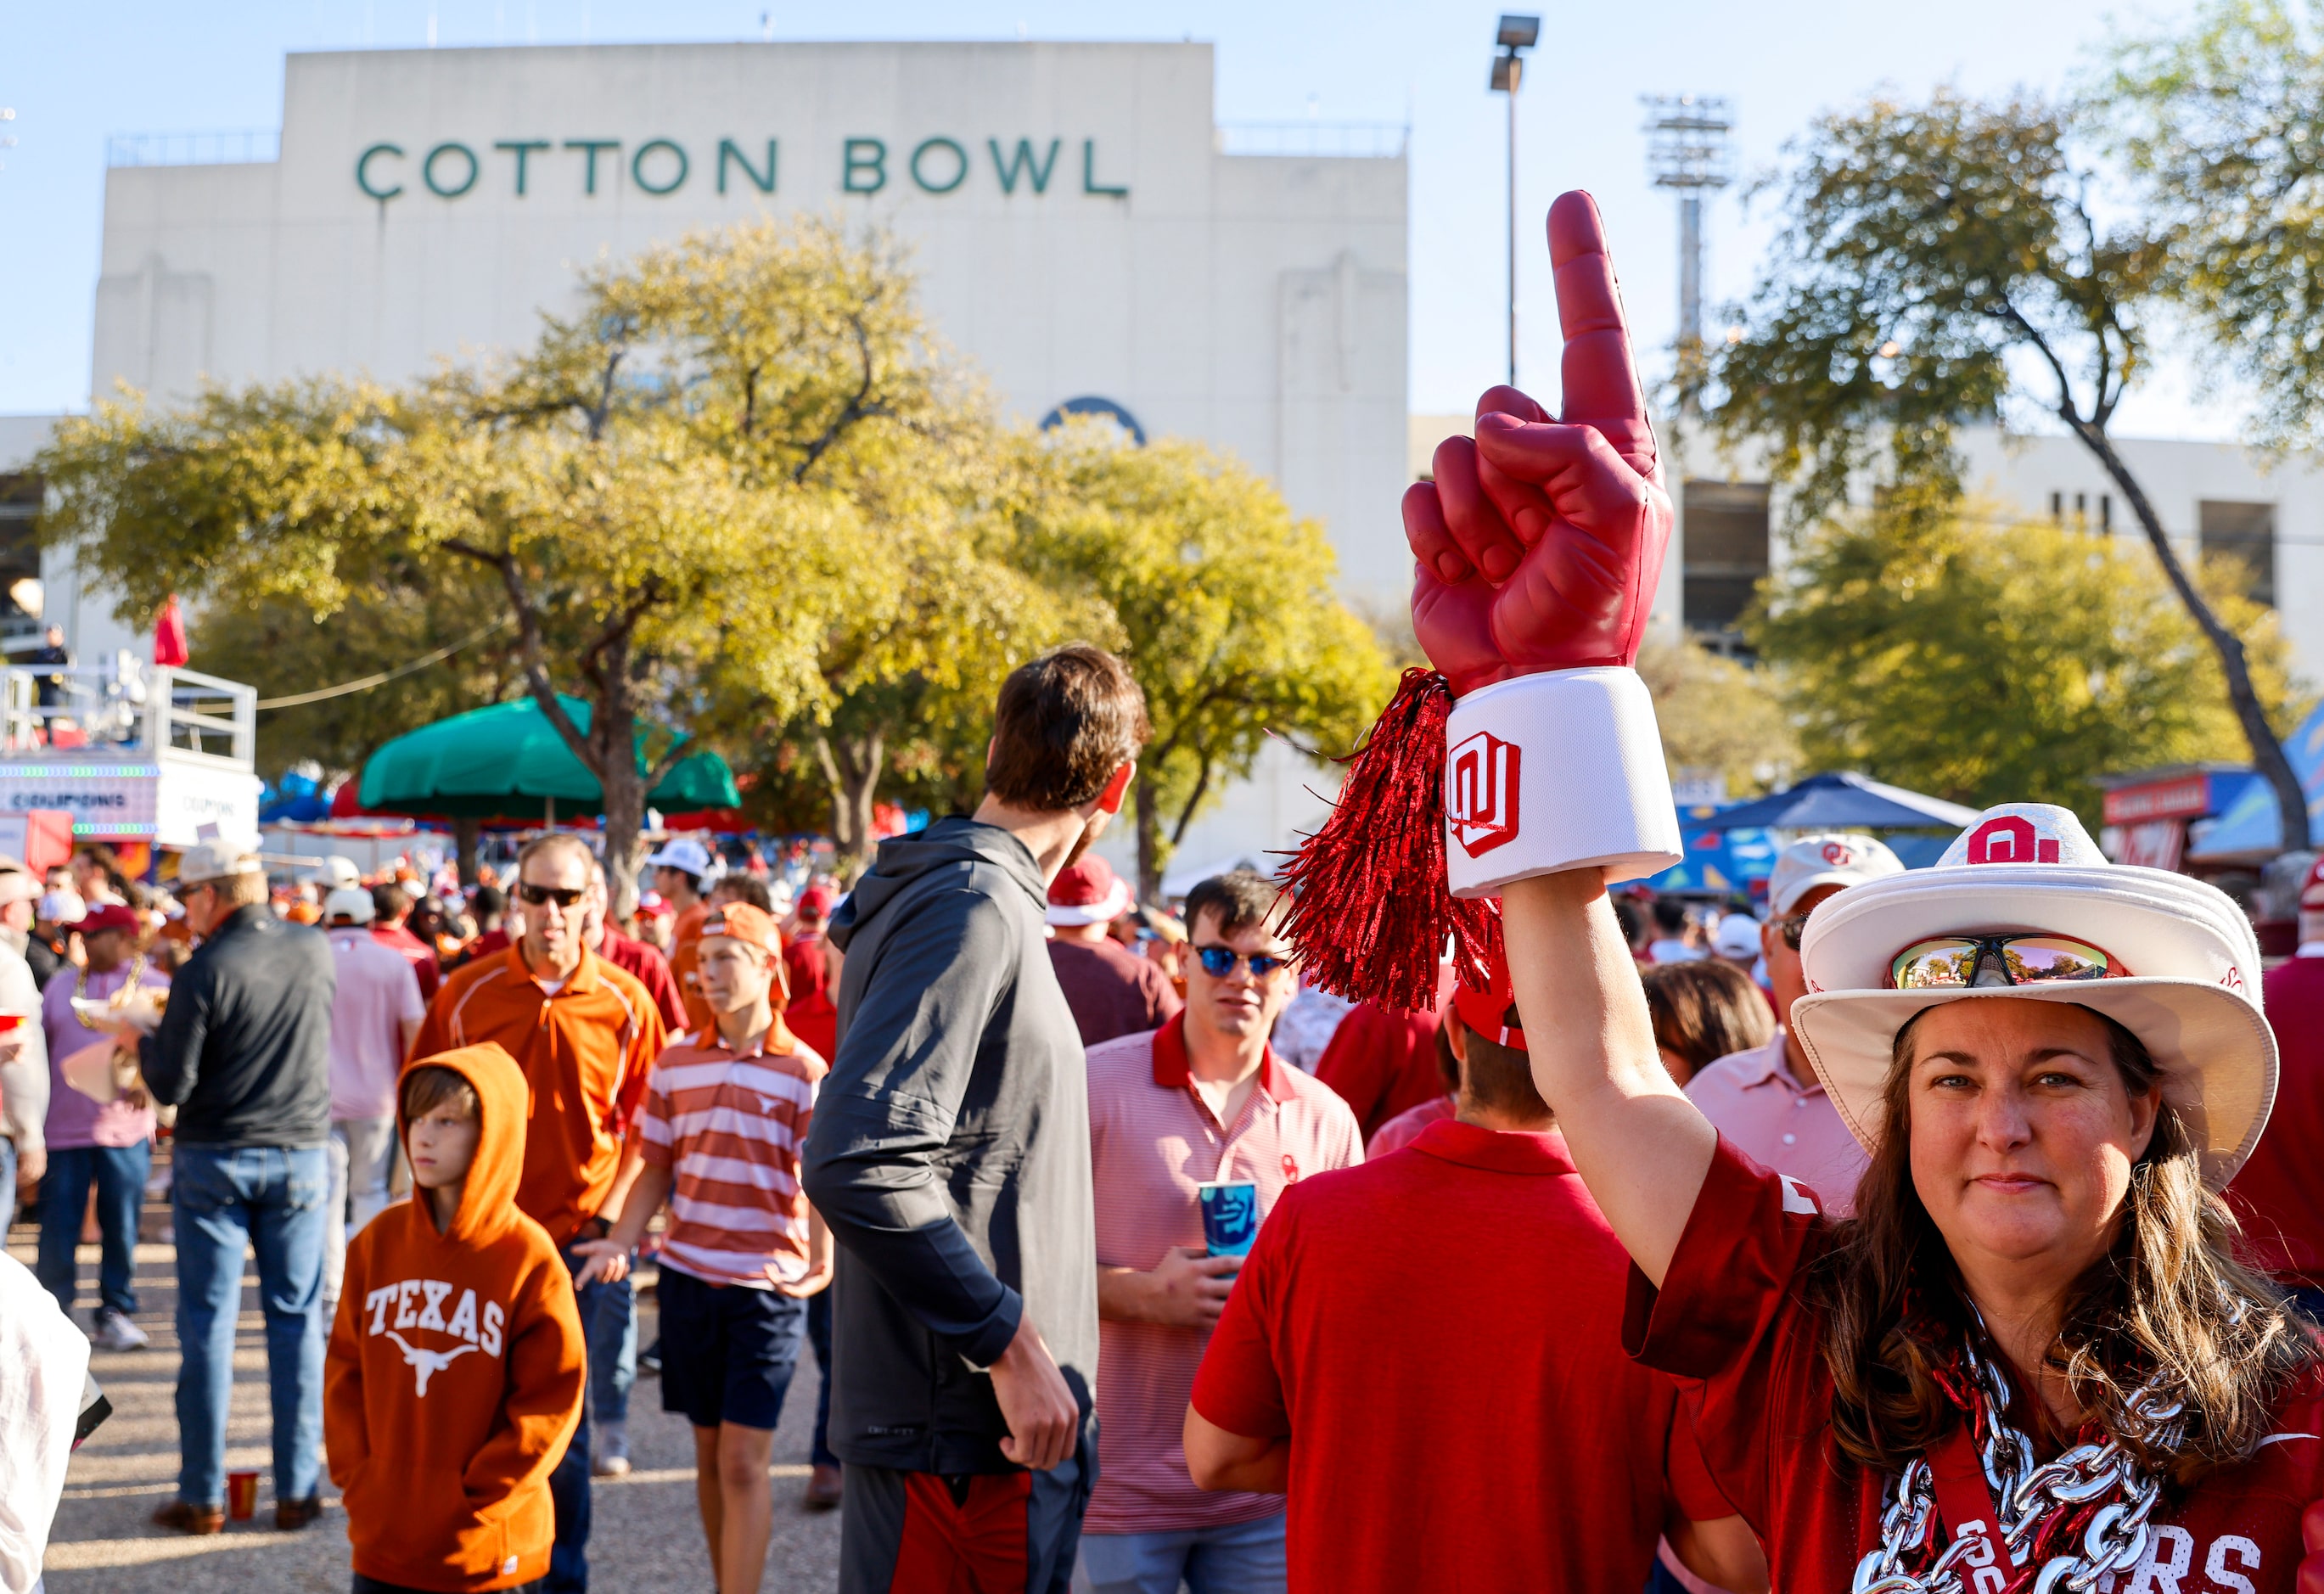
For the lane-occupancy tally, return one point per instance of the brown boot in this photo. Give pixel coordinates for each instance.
(186, 1517)
(823, 1487)
(290, 1516)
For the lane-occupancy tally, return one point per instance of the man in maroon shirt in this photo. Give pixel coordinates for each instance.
(806, 969)
(2280, 1193)
(628, 952)
(391, 906)
(1111, 990)
(1498, 1438)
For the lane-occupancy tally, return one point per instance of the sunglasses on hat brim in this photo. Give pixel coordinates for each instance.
(1962, 962)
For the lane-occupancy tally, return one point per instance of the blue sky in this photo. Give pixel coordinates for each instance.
(75, 73)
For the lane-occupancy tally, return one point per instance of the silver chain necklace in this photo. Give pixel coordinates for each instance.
(2027, 1498)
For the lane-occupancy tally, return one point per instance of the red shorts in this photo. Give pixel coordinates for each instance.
(928, 1533)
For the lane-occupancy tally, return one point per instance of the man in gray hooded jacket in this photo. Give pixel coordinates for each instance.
(949, 1154)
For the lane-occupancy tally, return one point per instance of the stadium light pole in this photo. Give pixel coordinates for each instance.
(1515, 33)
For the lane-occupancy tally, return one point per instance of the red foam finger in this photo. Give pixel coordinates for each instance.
(1510, 481)
(1476, 526)
(1601, 374)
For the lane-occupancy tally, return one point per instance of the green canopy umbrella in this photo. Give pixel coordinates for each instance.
(508, 762)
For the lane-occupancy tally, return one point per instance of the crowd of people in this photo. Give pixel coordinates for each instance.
(1914, 1233)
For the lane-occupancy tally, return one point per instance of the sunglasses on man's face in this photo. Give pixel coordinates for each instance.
(1219, 962)
(563, 896)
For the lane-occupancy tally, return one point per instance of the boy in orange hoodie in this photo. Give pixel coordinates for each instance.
(456, 1368)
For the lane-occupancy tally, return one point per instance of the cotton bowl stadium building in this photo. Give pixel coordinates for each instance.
(1083, 229)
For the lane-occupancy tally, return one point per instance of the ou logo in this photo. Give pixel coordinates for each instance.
(1838, 853)
(1481, 792)
(2010, 838)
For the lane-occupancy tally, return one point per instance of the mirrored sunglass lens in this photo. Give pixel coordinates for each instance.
(1261, 966)
(1934, 963)
(2045, 957)
(1218, 963)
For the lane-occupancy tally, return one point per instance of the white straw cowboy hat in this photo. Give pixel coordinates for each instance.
(2191, 994)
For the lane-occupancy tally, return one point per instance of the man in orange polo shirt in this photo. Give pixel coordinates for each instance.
(585, 1032)
(681, 873)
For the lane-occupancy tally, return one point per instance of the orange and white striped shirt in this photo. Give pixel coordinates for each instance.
(730, 1126)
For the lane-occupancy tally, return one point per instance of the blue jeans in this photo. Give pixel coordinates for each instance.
(613, 1352)
(818, 1334)
(568, 1485)
(1246, 1558)
(268, 1199)
(7, 1184)
(118, 1172)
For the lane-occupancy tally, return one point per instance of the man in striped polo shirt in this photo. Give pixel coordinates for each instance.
(1203, 1097)
(727, 1110)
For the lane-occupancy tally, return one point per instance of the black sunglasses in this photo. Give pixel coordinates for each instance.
(564, 897)
(1219, 962)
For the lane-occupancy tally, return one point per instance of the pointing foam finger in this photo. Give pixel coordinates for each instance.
(1601, 372)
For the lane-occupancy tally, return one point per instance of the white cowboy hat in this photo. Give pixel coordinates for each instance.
(2192, 995)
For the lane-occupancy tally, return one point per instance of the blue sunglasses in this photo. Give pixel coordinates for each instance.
(1219, 962)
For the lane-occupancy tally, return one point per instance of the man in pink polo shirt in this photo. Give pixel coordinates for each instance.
(1767, 1100)
(1203, 1097)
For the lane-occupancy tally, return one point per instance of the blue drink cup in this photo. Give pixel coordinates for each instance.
(1230, 1216)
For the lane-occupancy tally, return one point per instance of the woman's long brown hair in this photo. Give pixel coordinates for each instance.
(2168, 1293)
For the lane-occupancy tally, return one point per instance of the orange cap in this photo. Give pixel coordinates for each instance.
(743, 922)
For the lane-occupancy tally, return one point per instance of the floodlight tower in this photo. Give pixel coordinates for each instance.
(1514, 35)
(1688, 149)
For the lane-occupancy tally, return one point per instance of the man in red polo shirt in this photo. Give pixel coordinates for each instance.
(1203, 1097)
(1436, 1337)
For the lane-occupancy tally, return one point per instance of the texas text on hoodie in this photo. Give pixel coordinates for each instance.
(950, 1152)
(456, 1370)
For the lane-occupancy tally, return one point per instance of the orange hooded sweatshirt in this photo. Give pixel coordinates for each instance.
(456, 1369)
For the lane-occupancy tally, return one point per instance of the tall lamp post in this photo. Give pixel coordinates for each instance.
(1517, 33)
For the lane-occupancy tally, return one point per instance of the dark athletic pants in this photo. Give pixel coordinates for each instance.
(925, 1533)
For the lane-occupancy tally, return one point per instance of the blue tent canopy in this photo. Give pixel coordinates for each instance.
(1846, 802)
(2250, 823)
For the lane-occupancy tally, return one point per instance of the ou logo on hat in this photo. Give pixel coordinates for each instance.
(1839, 853)
(2011, 838)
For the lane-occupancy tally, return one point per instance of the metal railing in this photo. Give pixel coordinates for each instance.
(123, 707)
(1344, 141)
(233, 147)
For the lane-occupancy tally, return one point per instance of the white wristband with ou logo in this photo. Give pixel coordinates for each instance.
(1555, 771)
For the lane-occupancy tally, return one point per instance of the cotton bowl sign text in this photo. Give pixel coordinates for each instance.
(455, 169)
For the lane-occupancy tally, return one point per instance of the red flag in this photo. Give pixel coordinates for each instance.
(169, 636)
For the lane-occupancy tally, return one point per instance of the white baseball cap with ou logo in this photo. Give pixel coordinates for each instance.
(1838, 859)
(2186, 966)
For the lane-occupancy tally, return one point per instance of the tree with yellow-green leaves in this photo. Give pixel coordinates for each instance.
(667, 493)
(1226, 609)
(1985, 664)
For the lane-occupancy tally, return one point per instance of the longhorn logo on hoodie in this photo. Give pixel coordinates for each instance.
(418, 1303)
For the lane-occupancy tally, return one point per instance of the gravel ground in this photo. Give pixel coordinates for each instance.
(645, 1535)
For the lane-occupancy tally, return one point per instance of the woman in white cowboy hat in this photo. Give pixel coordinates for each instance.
(2032, 1359)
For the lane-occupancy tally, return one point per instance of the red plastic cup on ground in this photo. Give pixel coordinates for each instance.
(242, 1496)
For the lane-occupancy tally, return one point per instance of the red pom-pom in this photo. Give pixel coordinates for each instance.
(1373, 914)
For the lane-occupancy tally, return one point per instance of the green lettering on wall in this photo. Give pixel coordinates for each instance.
(590, 146)
(637, 166)
(729, 151)
(863, 155)
(1023, 164)
(362, 172)
(427, 169)
(1090, 184)
(522, 148)
(959, 165)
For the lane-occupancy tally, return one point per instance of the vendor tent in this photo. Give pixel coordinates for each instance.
(508, 762)
(1845, 802)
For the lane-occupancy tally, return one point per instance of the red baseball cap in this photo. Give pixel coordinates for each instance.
(107, 916)
(815, 902)
(1489, 1013)
(1087, 893)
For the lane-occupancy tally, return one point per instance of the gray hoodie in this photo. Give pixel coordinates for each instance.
(950, 1154)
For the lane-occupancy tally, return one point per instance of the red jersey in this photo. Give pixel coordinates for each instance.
(1439, 1335)
(424, 966)
(651, 970)
(2280, 1193)
(1382, 1062)
(810, 1015)
(1728, 1315)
